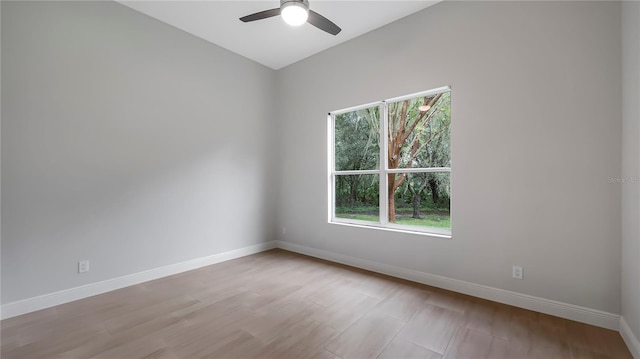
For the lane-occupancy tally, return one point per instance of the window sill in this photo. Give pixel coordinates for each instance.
(397, 229)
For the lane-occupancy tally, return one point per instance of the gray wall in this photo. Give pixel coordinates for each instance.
(536, 135)
(631, 165)
(125, 142)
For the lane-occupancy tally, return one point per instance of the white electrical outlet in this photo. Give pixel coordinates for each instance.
(83, 266)
(517, 272)
(284, 230)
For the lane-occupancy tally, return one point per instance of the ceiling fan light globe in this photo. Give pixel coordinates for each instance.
(294, 13)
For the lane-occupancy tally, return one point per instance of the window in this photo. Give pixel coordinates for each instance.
(390, 163)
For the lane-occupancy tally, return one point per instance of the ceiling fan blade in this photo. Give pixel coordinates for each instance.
(323, 23)
(261, 15)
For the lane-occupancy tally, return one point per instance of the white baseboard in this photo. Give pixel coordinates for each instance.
(629, 338)
(547, 306)
(69, 295)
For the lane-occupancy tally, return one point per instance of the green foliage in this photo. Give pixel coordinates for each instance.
(357, 144)
(357, 190)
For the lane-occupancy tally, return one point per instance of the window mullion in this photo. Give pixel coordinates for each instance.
(331, 167)
(419, 170)
(357, 172)
(384, 163)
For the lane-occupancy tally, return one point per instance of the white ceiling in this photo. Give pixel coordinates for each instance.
(271, 42)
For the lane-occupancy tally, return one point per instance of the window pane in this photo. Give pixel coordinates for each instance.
(420, 199)
(357, 197)
(419, 135)
(357, 140)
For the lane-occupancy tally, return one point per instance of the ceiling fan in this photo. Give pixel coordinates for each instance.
(295, 13)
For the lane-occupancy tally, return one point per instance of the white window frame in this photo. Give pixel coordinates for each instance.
(383, 170)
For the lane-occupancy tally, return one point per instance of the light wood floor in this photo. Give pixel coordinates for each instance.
(278, 304)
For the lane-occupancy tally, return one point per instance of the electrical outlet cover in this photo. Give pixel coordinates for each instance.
(517, 272)
(83, 266)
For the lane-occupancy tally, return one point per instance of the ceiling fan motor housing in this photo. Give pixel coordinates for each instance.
(304, 3)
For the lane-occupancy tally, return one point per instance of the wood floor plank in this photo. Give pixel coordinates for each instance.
(367, 337)
(532, 341)
(201, 337)
(271, 300)
(399, 348)
(595, 340)
(302, 340)
(141, 348)
(237, 344)
(492, 318)
(329, 294)
(267, 326)
(584, 353)
(282, 305)
(432, 327)
(54, 330)
(472, 344)
(52, 346)
(138, 317)
(164, 326)
(324, 354)
(375, 285)
(449, 300)
(346, 311)
(220, 289)
(403, 303)
(39, 317)
(107, 305)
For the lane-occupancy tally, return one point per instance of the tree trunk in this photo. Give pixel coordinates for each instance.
(416, 205)
(416, 200)
(433, 185)
(354, 191)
